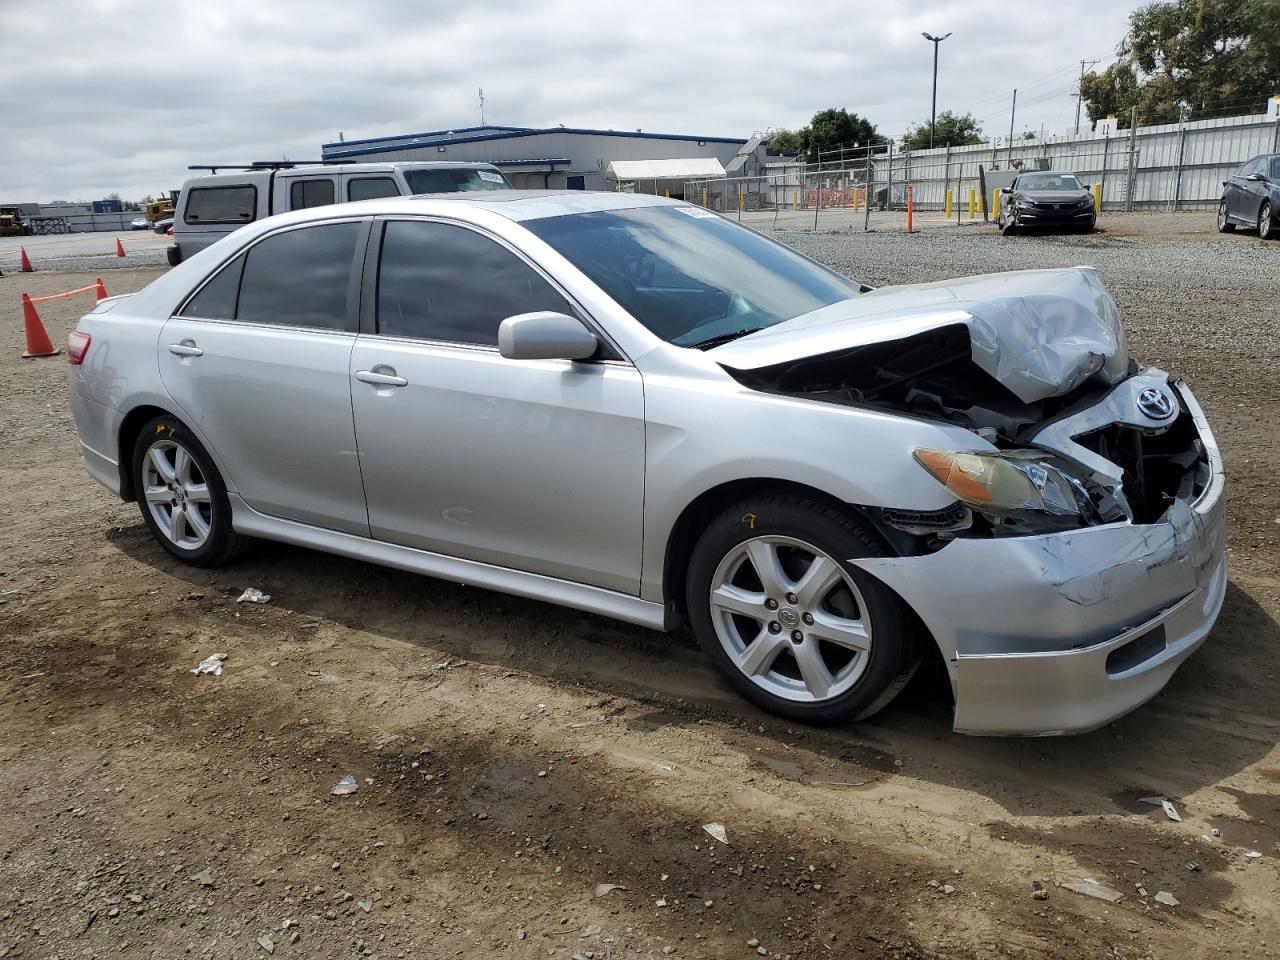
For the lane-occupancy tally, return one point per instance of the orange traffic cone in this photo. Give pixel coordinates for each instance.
(26, 261)
(38, 344)
(119, 248)
(101, 292)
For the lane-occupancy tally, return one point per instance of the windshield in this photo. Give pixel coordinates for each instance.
(690, 276)
(1048, 181)
(454, 180)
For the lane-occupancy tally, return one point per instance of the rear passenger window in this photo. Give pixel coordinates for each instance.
(366, 188)
(221, 204)
(310, 193)
(217, 300)
(441, 282)
(301, 278)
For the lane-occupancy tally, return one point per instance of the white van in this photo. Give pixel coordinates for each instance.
(213, 205)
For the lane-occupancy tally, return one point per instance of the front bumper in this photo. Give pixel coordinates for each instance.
(1034, 217)
(1062, 633)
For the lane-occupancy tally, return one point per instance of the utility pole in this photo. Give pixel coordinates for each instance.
(481, 91)
(1012, 110)
(933, 110)
(1079, 94)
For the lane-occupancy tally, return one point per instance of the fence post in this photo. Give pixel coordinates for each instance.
(1106, 143)
(1177, 177)
(946, 179)
(888, 190)
(1133, 152)
(871, 192)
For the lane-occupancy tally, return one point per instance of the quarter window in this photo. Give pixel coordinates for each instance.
(301, 278)
(221, 204)
(437, 281)
(217, 300)
(310, 193)
(366, 188)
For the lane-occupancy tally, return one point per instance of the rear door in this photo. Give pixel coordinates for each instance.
(301, 193)
(257, 361)
(536, 465)
(1237, 192)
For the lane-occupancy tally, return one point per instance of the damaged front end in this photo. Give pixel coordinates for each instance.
(1082, 559)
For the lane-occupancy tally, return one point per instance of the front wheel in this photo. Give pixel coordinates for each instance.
(796, 628)
(1266, 222)
(182, 496)
(1006, 225)
(1224, 224)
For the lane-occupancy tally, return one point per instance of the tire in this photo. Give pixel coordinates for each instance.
(173, 254)
(1007, 226)
(1267, 222)
(1224, 225)
(172, 473)
(858, 674)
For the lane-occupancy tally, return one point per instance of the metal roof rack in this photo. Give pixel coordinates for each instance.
(259, 165)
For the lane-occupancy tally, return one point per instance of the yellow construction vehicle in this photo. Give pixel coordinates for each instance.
(158, 210)
(11, 224)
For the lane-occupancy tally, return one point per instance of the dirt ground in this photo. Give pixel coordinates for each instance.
(512, 756)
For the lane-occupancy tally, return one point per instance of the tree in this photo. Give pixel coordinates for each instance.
(786, 141)
(834, 128)
(950, 131)
(1190, 57)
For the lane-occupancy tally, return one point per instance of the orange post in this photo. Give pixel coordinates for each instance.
(910, 208)
(119, 248)
(38, 344)
(100, 292)
(26, 261)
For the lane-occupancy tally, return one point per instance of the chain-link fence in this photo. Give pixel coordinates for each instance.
(1163, 167)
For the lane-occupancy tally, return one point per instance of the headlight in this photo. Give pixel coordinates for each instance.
(1006, 482)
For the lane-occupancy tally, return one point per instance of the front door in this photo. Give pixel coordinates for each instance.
(536, 465)
(258, 361)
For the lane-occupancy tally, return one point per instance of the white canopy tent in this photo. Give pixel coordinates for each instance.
(633, 176)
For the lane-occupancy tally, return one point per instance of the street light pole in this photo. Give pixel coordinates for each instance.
(933, 110)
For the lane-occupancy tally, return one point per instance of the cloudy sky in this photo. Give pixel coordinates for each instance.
(120, 95)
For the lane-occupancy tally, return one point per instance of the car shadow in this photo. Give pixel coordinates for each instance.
(1219, 715)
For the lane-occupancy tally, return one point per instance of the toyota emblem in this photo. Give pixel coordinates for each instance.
(1156, 404)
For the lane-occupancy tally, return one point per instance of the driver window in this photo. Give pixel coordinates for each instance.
(437, 281)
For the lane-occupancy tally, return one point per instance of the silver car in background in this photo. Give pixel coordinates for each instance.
(635, 407)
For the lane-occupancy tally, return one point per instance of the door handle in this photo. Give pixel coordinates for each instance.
(185, 349)
(381, 379)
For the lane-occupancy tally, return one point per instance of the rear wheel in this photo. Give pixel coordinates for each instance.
(796, 628)
(1224, 225)
(182, 496)
(1266, 222)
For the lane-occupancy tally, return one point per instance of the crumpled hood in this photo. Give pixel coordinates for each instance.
(1041, 333)
(1053, 196)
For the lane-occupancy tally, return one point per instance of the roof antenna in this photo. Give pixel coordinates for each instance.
(481, 91)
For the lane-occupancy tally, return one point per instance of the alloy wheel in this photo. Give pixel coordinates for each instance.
(790, 618)
(177, 495)
(1222, 214)
(1266, 224)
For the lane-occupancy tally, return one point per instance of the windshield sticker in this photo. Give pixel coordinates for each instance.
(490, 176)
(698, 213)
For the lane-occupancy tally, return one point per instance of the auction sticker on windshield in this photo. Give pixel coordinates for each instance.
(490, 176)
(697, 213)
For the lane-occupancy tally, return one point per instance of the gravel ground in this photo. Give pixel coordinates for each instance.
(512, 755)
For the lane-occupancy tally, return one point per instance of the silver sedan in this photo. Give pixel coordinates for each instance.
(637, 408)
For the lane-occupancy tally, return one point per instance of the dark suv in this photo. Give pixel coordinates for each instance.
(1251, 197)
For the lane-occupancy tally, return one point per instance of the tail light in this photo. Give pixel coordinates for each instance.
(77, 346)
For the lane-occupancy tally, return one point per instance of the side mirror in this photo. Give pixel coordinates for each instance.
(545, 335)
(1255, 178)
(1006, 189)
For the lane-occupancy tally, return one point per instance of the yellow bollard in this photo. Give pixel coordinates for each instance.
(667, 193)
(947, 214)
(739, 198)
(1097, 198)
(995, 203)
(704, 196)
(795, 200)
(973, 201)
